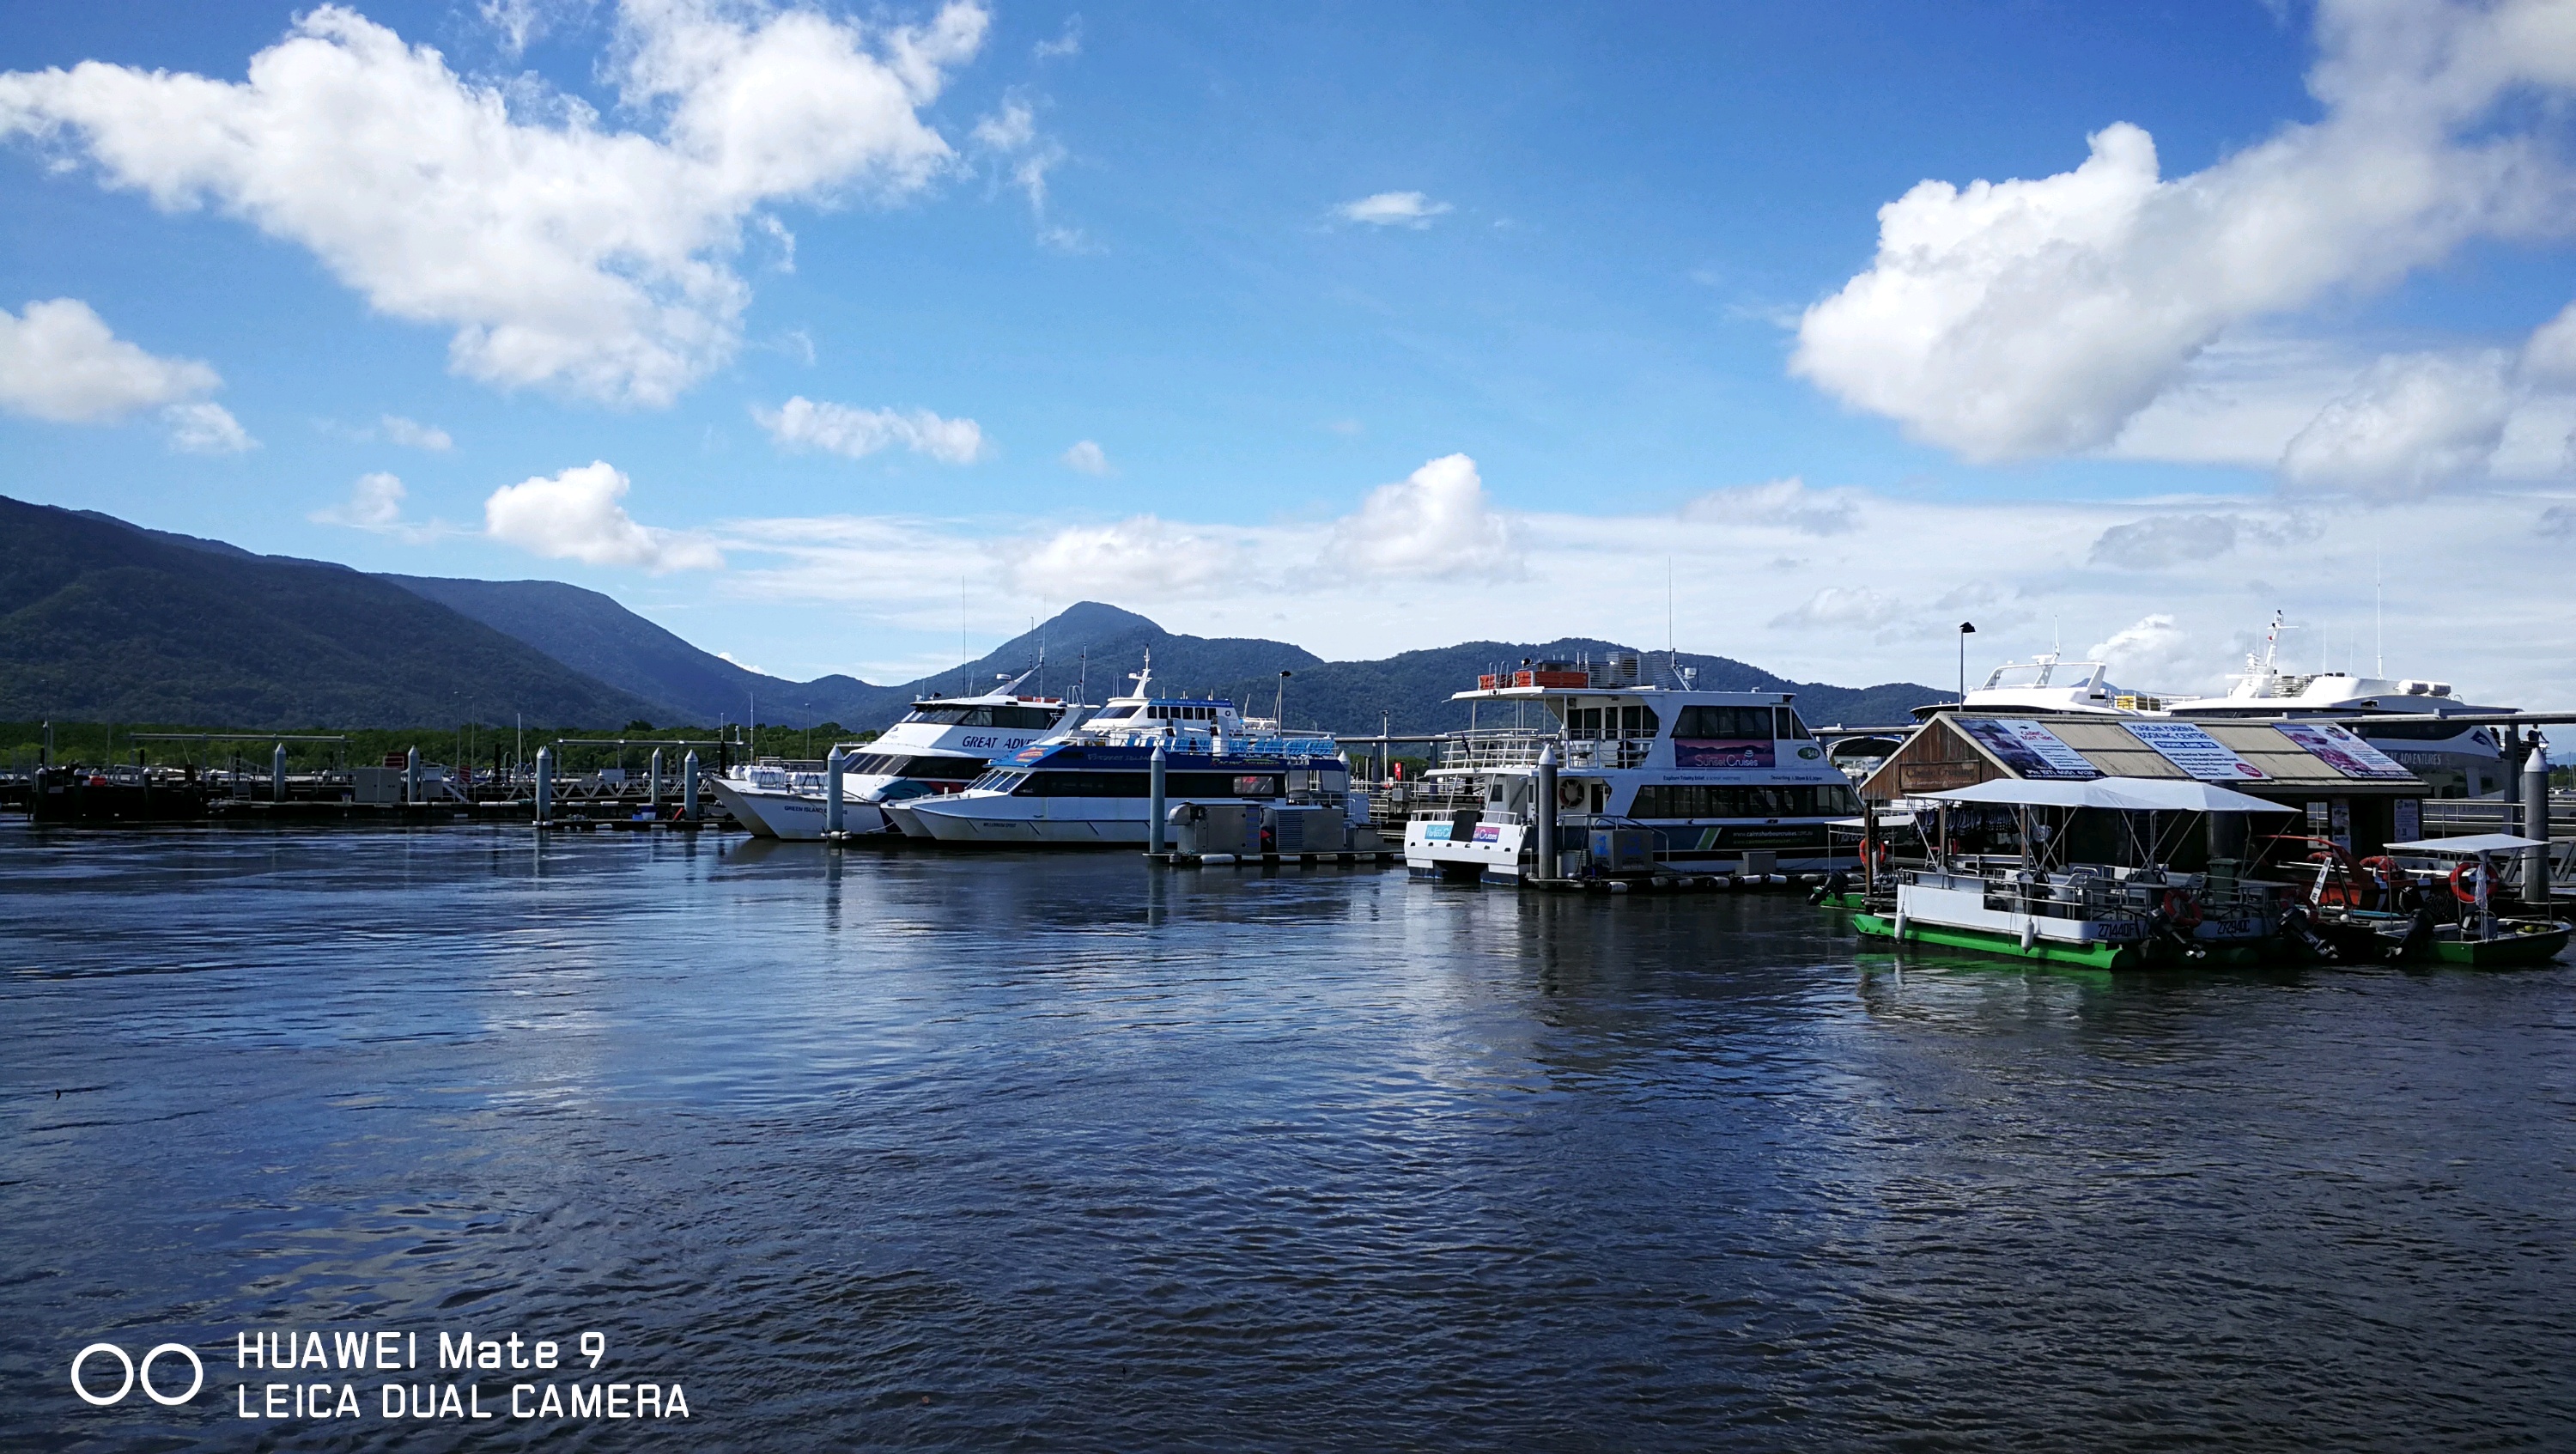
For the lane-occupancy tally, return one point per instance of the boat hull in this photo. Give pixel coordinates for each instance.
(2096, 955)
(2503, 952)
(734, 802)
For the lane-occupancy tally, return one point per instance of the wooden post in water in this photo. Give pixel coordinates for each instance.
(1154, 802)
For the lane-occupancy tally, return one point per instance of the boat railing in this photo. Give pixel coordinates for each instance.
(1519, 747)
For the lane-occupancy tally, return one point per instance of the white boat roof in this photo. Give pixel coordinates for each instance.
(2134, 794)
(2472, 843)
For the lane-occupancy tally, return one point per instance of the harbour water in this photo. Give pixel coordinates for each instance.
(898, 1150)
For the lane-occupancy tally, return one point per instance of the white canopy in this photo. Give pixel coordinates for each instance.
(2132, 794)
(2462, 847)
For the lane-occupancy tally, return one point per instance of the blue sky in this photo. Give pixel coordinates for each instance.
(1365, 327)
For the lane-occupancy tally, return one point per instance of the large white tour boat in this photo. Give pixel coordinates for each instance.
(940, 746)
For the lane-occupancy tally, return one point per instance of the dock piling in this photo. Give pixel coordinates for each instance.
(657, 783)
(277, 774)
(1154, 802)
(411, 777)
(689, 786)
(545, 785)
(833, 814)
(2535, 824)
(1544, 861)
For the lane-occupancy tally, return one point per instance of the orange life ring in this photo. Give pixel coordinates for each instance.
(1569, 793)
(2182, 908)
(2464, 895)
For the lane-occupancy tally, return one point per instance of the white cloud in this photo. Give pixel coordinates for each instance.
(2413, 426)
(2558, 522)
(576, 515)
(1392, 209)
(841, 429)
(1068, 42)
(1788, 504)
(2163, 541)
(1011, 138)
(2156, 655)
(1434, 522)
(1842, 608)
(1087, 457)
(1133, 558)
(413, 435)
(206, 428)
(60, 362)
(562, 254)
(738, 661)
(375, 503)
(2031, 317)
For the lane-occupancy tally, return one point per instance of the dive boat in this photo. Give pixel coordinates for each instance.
(1681, 781)
(751, 787)
(1090, 785)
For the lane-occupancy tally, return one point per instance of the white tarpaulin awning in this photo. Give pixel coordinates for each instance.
(2471, 843)
(2128, 794)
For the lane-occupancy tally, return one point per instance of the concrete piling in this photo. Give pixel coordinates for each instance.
(1543, 864)
(2535, 824)
(1154, 784)
(657, 782)
(689, 786)
(277, 774)
(545, 785)
(833, 813)
(411, 776)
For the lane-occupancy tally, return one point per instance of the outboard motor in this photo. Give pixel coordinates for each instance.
(1836, 884)
(2418, 943)
(2296, 928)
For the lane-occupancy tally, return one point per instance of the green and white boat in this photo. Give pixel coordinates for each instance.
(2484, 939)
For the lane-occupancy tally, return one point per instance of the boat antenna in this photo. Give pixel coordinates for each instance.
(961, 636)
(2378, 617)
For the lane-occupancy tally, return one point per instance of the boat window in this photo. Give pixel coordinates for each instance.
(1790, 726)
(938, 767)
(1112, 714)
(1729, 800)
(1594, 723)
(1726, 724)
(2409, 731)
(1000, 779)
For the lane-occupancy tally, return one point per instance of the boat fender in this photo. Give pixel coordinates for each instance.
(1900, 923)
(2467, 892)
(2029, 931)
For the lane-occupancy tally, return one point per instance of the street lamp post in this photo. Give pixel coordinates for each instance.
(1966, 630)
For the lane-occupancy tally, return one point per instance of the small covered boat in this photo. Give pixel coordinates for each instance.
(2483, 938)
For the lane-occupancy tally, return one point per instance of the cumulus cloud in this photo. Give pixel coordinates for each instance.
(375, 503)
(1434, 522)
(60, 362)
(413, 435)
(1392, 209)
(2154, 655)
(1788, 504)
(2414, 425)
(205, 428)
(1145, 555)
(561, 253)
(1087, 457)
(577, 515)
(2027, 317)
(854, 433)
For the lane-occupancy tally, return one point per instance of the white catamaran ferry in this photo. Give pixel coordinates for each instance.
(1090, 785)
(1681, 780)
(941, 745)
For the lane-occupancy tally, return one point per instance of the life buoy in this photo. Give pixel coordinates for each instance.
(2465, 894)
(2182, 908)
(1569, 793)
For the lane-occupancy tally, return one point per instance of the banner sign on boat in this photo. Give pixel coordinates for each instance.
(2339, 749)
(1712, 752)
(2028, 749)
(2196, 752)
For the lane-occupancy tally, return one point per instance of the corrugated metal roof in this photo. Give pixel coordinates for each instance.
(2109, 746)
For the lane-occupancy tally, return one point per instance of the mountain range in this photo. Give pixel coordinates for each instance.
(102, 620)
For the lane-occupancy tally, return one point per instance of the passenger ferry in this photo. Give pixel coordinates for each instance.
(1705, 782)
(1091, 785)
(942, 744)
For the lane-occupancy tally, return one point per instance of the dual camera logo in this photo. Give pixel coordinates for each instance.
(137, 1374)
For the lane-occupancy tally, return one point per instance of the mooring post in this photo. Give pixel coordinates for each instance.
(689, 786)
(1545, 864)
(832, 814)
(2535, 824)
(1154, 802)
(545, 784)
(657, 783)
(45, 754)
(277, 774)
(411, 777)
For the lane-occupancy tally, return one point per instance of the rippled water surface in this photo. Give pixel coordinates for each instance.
(895, 1150)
